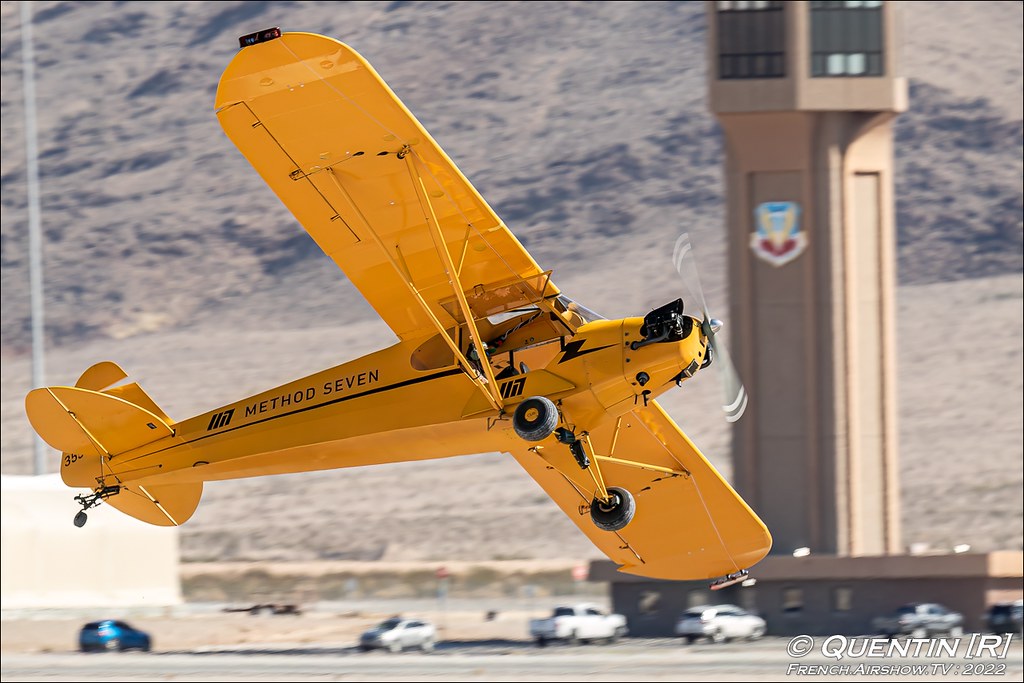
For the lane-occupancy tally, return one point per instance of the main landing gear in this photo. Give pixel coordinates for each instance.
(93, 499)
(535, 419)
(616, 512)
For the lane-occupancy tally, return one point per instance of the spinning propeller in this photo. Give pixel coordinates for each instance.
(735, 394)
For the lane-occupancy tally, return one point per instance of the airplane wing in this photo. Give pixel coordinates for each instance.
(689, 523)
(371, 186)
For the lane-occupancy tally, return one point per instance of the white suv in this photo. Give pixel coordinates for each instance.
(719, 623)
(396, 634)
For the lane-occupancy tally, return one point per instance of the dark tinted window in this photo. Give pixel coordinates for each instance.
(846, 38)
(751, 39)
(564, 612)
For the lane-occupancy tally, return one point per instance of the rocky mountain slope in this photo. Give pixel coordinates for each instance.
(583, 124)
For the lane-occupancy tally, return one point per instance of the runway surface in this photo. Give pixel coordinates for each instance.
(505, 660)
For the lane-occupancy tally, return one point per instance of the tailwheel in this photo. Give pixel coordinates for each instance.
(616, 512)
(535, 418)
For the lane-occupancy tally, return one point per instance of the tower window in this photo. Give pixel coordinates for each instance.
(751, 39)
(846, 38)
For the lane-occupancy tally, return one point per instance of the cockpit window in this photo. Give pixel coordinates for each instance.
(579, 309)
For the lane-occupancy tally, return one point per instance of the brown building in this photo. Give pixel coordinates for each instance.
(806, 93)
(826, 595)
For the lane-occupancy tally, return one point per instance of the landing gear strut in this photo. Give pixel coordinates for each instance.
(93, 499)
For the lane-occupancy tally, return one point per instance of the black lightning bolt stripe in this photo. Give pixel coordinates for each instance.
(572, 350)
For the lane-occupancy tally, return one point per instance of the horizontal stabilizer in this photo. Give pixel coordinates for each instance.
(90, 425)
(168, 505)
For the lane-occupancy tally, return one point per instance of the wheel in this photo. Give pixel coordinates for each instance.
(690, 640)
(113, 644)
(541, 642)
(757, 633)
(535, 418)
(395, 646)
(427, 645)
(919, 632)
(574, 639)
(956, 632)
(718, 637)
(616, 513)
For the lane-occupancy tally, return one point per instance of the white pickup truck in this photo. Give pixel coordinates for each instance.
(577, 624)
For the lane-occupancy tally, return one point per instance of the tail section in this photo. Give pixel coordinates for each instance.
(92, 423)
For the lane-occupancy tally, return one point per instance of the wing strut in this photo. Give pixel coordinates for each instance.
(453, 276)
(402, 274)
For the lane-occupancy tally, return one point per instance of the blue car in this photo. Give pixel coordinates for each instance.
(110, 635)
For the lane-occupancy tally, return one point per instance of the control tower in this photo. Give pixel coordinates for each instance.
(806, 94)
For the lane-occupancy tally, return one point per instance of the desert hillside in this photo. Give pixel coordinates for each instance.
(585, 126)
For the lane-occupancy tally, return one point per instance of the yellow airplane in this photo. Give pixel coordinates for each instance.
(491, 356)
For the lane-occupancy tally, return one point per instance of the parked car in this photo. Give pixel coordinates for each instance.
(578, 623)
(719, 623)
(921, 620)
(110, 635)
(1006, 617)
(397, 634)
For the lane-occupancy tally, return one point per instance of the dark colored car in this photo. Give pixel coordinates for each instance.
(110, 635)
(1006, 617)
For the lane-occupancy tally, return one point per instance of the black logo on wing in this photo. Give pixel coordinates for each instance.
(513, 387)
(221, 419)
(574, 350)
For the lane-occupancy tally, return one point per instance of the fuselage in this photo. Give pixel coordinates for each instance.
(382, 408)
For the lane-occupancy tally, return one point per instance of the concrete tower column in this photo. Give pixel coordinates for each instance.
(805, 93)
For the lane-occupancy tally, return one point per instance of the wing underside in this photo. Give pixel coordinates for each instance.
(371, 186)
(689, 523)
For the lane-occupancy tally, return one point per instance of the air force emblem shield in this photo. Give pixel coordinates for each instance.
(778, 238)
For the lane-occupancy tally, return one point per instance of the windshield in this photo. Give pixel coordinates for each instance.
(582, 311)
(389, 624)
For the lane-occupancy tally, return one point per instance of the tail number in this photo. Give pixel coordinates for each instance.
(513, 388)
(221, 419)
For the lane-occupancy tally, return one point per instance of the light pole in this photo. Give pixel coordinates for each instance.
(35, 240)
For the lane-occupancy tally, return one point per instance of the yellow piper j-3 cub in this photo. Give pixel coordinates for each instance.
(491, 356)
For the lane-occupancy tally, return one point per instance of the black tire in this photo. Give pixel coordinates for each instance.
(690, 640)
(617, 513)
(541, 642)
(535, 418)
